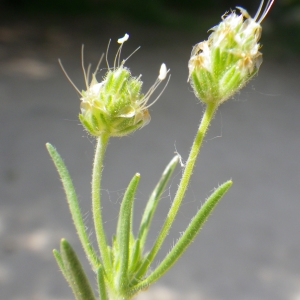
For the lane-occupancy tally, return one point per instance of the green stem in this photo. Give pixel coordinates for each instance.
(207, 117)
(96, 204)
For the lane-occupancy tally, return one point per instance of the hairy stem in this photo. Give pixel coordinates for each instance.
(207, 117)
(96, 204)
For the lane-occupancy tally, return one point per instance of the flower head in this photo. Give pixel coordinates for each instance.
(116, 106)
(224, 63)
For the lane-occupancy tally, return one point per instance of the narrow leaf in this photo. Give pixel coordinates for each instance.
(60, 263)
(124, 231)
(135, 255)
(75, 273)
(153, 200)
(101, 284)
(187, 237)
(73, 205)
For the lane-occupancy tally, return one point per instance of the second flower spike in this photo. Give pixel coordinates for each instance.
(224, 63)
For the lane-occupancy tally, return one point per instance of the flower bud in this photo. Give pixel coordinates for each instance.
(116, 106)
(230, 57)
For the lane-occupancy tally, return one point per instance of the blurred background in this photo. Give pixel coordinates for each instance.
(250, 247)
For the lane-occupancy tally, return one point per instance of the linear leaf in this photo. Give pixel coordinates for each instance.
(101, 284)
(73, 205)
(124, 232)
(153, 200)
(73, 268)
(187, 237)
(60, 263)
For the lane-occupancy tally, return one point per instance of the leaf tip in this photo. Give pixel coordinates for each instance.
(63, 241)
(230, 182)
(49, 146)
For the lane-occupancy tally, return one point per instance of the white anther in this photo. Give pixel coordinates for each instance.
(162, 72)
(123, 39)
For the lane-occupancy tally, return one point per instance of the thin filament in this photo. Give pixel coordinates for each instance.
(145, 107)
(82, 65)
(117, 57)
(106, 54)
(99, 62)
(259, 10)
(72, 83)
(268, 7)
(123, 62)
(88, 72)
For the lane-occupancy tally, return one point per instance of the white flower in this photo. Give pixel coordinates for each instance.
(224, 63)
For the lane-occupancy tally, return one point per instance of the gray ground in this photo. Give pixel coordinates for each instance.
(250, 247)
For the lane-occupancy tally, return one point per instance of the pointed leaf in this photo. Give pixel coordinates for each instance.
(75, 273)
(135, 255)
(187, 237)
(60, 263)
(124, 232)
(153, 200)
(101, 284)
(73, 205)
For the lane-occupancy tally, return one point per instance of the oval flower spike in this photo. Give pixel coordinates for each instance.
(116, 106)
(223, 64)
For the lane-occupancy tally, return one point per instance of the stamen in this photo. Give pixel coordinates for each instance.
(162, 75)
(118, 54)
(69, 79)
(259, 10)
(123, 62)
(268, 7)
(82, 65)
(88, 72)
(106, 54)
(162, 72)
(148, 94)
(117, 57)
(152, 89)
(123, 39)
(98, 65)
(158, 94)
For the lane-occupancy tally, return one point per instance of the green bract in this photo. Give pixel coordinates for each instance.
(114, 106)
(224, 63)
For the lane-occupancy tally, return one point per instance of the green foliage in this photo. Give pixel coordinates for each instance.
(218, 68)
(121, 272)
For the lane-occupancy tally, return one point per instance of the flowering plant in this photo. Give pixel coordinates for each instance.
(218, 68)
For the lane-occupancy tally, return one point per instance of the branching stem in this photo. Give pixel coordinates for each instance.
(207, 117)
